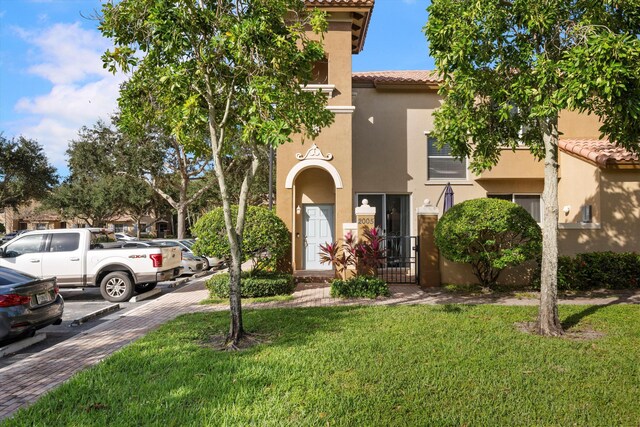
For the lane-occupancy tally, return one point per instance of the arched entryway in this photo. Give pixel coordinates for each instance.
(314, 206)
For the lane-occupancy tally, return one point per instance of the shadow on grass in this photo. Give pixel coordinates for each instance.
(576, 318)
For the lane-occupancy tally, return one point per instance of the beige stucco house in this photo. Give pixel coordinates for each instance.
(379, 149)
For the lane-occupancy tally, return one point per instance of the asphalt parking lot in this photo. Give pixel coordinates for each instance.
(83, 310)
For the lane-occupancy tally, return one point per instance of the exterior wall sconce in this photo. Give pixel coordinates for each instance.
(587, 214)
(566, 209)
(298, 210)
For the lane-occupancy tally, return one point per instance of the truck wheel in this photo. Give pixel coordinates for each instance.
(116, 287)
(145, 287)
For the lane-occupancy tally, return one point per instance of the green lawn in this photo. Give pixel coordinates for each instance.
(365, 366)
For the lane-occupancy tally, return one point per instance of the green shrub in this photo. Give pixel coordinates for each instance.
(359, 287)
(597, 270)
(253, 284)
(266, 238)
(489, 234)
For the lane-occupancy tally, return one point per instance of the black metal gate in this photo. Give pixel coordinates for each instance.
(400, 264)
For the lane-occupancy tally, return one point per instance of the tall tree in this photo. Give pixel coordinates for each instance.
(96, 190)
(509, 68)
(233, 68)
(93, 200)
(165, 163)
(25, 172)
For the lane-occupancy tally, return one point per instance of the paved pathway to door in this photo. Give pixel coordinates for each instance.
(23, 382)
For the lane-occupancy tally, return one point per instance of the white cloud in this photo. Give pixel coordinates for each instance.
(67, 53)
(80, 104)
(82, 92)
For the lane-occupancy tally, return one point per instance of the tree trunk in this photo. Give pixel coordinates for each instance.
(138, 228)
(236, 330)
(548, 319)
(182, 212)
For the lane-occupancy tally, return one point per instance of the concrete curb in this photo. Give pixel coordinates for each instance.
(146, 295)
(178, 282)
(95, 314)
(22, 344)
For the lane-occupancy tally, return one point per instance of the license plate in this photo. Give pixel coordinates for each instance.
(43, 298)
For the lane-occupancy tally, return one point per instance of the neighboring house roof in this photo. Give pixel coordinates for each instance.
(360, 17)
(397, 78)
(600, 152)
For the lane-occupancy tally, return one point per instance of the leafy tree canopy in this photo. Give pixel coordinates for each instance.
(508, 66)
(25, 172)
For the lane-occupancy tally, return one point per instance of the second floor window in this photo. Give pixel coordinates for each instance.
(441, 165)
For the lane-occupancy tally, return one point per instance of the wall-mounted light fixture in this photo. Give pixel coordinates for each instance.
(298, 210)
(587, 214)
(566, 209)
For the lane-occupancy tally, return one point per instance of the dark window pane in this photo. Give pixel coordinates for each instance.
(432, 150)
(64, 242)
(531, 204)
(446, 169)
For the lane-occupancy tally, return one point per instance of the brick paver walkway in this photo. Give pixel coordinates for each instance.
(23, 382)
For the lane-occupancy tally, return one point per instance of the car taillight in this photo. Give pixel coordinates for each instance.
(13, 300)
(157, 259)
(56, 289)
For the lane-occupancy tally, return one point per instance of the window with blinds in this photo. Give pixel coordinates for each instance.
(532, 203)
(441, 165)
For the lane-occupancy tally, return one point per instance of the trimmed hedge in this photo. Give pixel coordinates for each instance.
(598, 270)
(359, 287)
(488, 234)
(253, 285)
(266, 237)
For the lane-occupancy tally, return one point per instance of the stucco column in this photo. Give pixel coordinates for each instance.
(429, 262)
(365, 218)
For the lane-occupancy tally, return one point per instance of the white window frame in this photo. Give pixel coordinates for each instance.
(456, 179)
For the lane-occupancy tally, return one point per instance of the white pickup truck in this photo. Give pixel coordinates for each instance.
(82, 258)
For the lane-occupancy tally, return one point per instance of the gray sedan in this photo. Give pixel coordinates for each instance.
(27, 304)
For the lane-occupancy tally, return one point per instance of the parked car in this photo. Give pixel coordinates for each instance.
(124, 237)
(188, 244)
(10, 236)
(27, 303)
(83, 257)
(191, 264)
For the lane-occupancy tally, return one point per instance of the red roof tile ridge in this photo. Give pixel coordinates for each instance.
(600, 151)
(398, 76)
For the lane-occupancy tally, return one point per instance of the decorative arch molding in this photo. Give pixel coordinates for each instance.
(313, 163)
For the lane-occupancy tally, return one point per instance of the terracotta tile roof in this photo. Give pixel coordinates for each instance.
(600, 152)
(397, 77)
(345, 3)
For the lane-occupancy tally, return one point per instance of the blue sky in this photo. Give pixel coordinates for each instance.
(52, 81)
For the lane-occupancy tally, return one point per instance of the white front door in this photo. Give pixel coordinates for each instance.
(318, 230)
